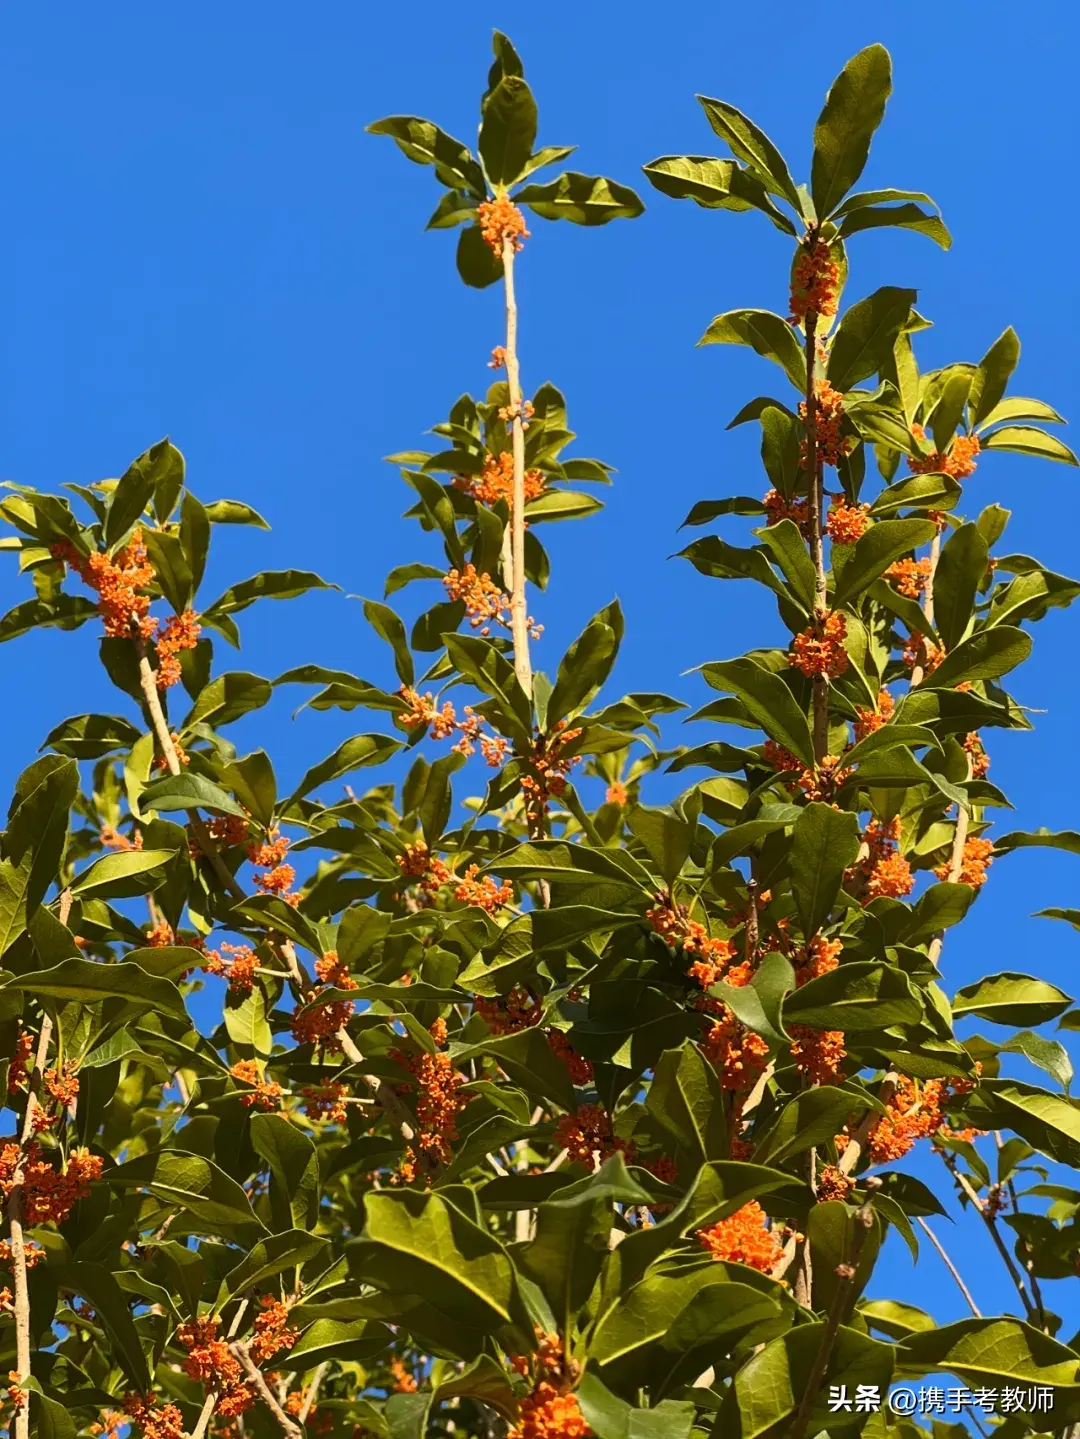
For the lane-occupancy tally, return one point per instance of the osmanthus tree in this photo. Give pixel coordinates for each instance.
(569, 1120)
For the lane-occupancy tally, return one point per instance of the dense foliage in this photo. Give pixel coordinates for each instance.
(563, 1120)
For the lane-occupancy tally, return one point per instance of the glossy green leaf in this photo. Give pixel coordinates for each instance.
(584, 199)
(1016, 999)
(765, 333)
(824, 842)
(853, 111)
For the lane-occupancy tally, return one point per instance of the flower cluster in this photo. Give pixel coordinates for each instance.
(228, 830)
(815, 283)
(181, 632)
(325, 1101)
(118, 581)
(886, 871)
(819, 650)
(48, 1194)
(239, 970)
(212, 1363)
(673, 924)
(580, 1068)
(264, 1093)
(319, 1023)
(921, 653)
(112, 839)
(418, 863)
(616, 793)
(404, 1382)
(868, 721)
(421, 710)
(823, 781)
(157, 1421)
(833, 1183)
(271, 1330)
(587, 1135)
(485, 603)
(484, 893)
(549, 767)
(496, 482)
(551, 1409)
(980, 760)
(18, 1066)
(501, 222)
(743, 1238)
(914, 1112)
(438, 1102)
(778, 508)
(909, 577)
(831, 445)
(510, 1013)
(847, 523)
(957, 460)
(738, 1055)
(976, 860)
(270, 856)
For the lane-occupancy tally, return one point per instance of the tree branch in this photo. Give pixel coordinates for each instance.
(815, 498)
(310, 1392)
(990, 1222)
(949, 1265)
(519, 619)
(254, 1373)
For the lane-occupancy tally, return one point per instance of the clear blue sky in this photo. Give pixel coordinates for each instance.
(200, 240)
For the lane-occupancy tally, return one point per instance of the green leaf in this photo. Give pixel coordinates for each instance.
(453, 209)
(389, 625)
(436, 1251)
(985, 655)
(1016, 999)
(508, 131)
(355, 753)
(992, 376)
(425, 143)
(686, 1099)
(291, 1248)
(905, 217)
(753, 147)
(788, 548)
(246, 1021)
(960, 570)
(483, 665)
(759, 1004)
(865, 337)
(872, 555)
(584, 199)
(294, 1170)
(187, 791)
(161, 464)
(193, 1184)
(1066, 839)
(940, 907)
(355, 1341)
(824, 842)
(119, 876)
(586, 665)
(228, 698)
(856, 996)
(234, 512)
(767, 700)
(477, 264)
(110, 1305)
(572, 1231)
(768, 1388)
(833, 1233)
(983, 1351)
(252, 781)
(895, 1319)
(610, 1417)
(1047, 1121)
(91, 736)
(1025, 440)
(34, 841)
(765, 333)
(269, 585)
(812, 1117)
(65, 612)
(1046, 1054)
(84, 981)
(853, 111)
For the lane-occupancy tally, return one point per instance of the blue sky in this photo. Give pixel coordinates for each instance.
(200, 240)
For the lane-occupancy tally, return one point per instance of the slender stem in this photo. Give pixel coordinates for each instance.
(845, 1273)
(956, 865)
(991, 1228)
(149, 688)
(254, 1373)
(519, 619)
(918, 671)
(15, 1224)
(858, 1141)
(815, 497)
(949, 1265)
(310, 1392)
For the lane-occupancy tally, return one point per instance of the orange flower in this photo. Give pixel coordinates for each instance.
(891, 876)
(326, 1101)
(974, 864)
(48, 1195)
(484, 893)
(157, 1421)
(239, 971)
(980, 760)
(496, 482)
(818, 1053)
(18, 1067)
(909, 577)
(501, 222)
(815, 283)
(510, 1013)
(922, 653)
(616, 794)
(272, 1332)
(833, 1184)
(161, 936)
(847, 523)
(498, 358)
(181, 632)
(264, 1094)
(742, 1238)
(117, 581)
(958, 458)
(548, 1414)
(868, 720)
(419, 863)
(780, 758)
(112, 839)
(587, 1134)
(737, 1054)
(823, 782)
(438, 1102)
(828, 418)
(820, 956)
(404, 1383)
(581, 1070)
(819, 650)
(483, 599)
(213, 1364)
(778, 508)
(549, 767)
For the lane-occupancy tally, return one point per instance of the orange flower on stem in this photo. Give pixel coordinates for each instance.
(819, 650)
(501, 220)
(847, 523)
(742, 1238)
